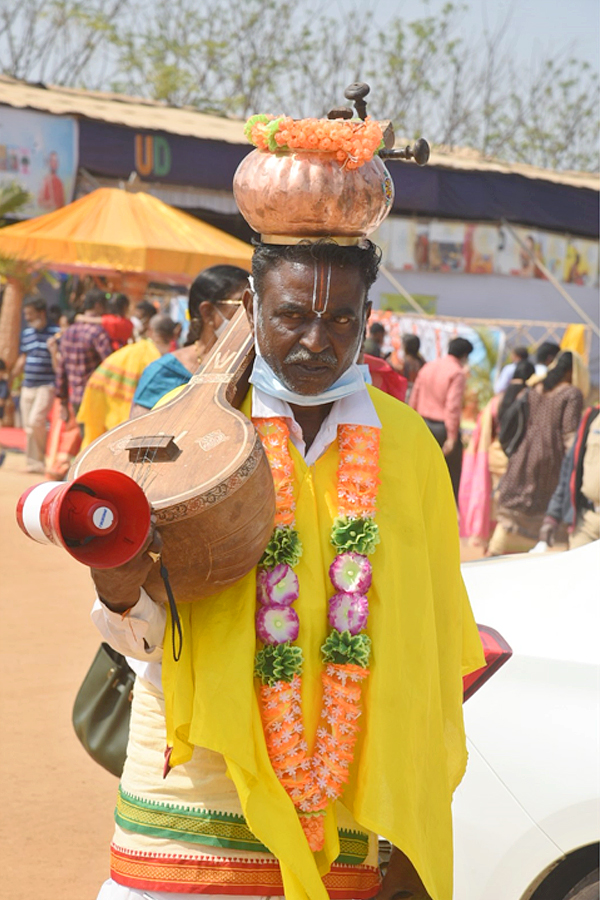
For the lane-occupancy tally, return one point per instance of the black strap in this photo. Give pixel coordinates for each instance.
(175, 621)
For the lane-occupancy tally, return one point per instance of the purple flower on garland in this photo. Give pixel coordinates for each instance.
(277, 624)
(277, 587)
(348, 612)
(351, 572)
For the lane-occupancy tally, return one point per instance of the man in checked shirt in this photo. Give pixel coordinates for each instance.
(83, 346)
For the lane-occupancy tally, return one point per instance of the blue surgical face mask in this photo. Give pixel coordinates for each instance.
(264, 378)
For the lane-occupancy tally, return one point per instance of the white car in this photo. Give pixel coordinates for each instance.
(527, 814)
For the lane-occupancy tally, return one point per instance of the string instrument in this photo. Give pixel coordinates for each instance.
(204, 472)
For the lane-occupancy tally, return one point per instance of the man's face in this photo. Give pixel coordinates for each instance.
(307, 352)
(36, 318)
(53, 163)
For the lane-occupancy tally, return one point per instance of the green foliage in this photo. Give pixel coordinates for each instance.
(12, 198)
(354, 535)
(284, 546)
(342, 647)
(278, 662)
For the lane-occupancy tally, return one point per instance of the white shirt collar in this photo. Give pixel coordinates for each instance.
(357, 409)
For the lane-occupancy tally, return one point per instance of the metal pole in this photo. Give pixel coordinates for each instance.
(402, 290)
(553, 281)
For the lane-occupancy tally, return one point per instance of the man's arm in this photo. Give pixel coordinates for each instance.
(102, 344)
(119, 588)
(124, 613)
(88, 319)
(453, 409)
(138, 633)
(18, 367)
(413, 400)
(62, 380)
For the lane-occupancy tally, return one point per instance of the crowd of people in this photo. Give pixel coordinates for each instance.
(87, 371)
(530, 467)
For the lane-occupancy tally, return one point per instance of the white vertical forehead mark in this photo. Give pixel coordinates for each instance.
(321, 288)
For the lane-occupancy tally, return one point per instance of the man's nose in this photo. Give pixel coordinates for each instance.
(315, 337)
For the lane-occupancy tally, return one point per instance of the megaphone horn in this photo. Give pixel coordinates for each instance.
(101, 518)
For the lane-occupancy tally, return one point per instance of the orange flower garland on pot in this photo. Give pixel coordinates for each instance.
(352, 141)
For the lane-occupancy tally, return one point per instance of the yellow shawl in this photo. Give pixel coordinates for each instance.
(411, 751)
(109, 392)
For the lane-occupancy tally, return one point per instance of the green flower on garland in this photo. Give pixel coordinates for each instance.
(278, 662)
(270, 132)
(342, 647)
(260, 117)
(358, 535)
(284, 547)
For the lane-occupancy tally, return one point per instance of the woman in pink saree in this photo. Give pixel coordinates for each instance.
(484, 463)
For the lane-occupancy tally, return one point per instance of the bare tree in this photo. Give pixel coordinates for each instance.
(292, 56)
(57, 41)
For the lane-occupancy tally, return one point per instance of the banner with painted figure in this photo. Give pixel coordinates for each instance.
(39, 152)
(413, 245)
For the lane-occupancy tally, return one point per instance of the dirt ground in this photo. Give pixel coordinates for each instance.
(57, 805)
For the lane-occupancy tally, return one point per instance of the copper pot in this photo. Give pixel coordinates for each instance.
(307, 193)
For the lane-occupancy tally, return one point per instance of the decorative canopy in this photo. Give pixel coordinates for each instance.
(112, 230)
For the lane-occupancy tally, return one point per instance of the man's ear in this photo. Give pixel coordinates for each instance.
(248, 301)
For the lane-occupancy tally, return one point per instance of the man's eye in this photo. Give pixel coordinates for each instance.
(341, 320)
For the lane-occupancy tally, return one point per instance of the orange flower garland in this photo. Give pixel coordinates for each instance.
(353, 141)
(314, 781)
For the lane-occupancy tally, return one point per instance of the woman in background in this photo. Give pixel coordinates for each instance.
(484, 463)
(554, 410)
(214, 297)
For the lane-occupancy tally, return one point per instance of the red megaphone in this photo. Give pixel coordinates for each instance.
(101, 518)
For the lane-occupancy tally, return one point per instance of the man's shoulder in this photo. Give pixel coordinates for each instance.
(82, 330)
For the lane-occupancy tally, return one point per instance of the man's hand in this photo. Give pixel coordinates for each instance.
(119, 588)
(401, 880)
(548, 530)
(448, 446)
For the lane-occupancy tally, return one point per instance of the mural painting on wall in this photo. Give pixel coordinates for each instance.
(434, 246)
(38, 152)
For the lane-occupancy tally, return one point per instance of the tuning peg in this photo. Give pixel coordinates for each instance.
(419, 152)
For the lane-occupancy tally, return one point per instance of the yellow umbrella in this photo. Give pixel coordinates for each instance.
(112, 230)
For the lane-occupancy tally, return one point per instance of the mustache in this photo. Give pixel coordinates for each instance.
(300, 355)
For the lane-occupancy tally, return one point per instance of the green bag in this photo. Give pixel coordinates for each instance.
(102, 709)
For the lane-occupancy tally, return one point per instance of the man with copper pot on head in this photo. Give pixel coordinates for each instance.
(316, 702)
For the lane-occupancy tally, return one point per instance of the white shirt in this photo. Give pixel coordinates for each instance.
(138, 634)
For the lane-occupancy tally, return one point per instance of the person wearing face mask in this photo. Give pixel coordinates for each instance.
(38, 389)
(215, 295)
(364, 552)
(438, 396)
